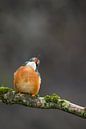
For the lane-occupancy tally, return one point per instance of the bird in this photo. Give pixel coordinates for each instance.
(27, 78)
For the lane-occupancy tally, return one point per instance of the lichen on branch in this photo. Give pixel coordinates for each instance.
(54, 101)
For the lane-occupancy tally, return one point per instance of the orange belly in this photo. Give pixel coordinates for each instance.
(26, 80)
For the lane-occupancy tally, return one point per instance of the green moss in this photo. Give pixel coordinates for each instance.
(85, 109)
(52, 98)
(64, 103)
(84, 113)
(4, 90)
(55, 99)
(37, 95)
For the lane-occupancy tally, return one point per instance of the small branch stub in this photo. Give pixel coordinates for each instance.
(10, 96)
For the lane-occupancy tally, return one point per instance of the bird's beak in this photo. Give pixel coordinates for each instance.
(37, 61)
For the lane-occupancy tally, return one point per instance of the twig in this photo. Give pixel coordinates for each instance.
(10, 96)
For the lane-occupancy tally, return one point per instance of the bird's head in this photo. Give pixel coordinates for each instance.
(33, 62)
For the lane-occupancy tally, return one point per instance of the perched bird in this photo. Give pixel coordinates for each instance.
(27, 78)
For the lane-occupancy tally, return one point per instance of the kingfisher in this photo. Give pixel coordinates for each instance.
(27, 78)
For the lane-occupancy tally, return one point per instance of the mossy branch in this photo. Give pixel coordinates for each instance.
(10, 96)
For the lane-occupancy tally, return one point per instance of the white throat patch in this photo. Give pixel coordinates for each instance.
(32, 64)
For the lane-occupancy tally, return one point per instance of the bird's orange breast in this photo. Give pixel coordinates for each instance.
(26, 80)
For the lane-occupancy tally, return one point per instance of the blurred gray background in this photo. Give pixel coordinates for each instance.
(55, 30)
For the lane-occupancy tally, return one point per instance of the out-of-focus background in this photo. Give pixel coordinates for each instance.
(55, 30)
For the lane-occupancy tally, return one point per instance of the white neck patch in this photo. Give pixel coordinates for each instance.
(32, 64)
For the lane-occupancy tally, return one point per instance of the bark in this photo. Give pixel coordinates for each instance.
(10, 96)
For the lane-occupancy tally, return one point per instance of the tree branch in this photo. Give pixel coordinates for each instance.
(10, 96)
